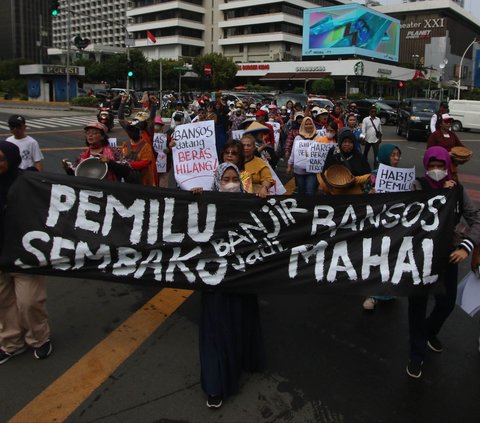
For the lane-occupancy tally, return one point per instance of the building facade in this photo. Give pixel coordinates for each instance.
(435, 35)
(25, 29)
(244, 30)
(103, 22)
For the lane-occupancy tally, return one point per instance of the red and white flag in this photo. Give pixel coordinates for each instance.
(151, 38)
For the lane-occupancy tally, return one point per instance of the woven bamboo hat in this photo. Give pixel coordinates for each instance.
(339, 176)
(460, 155)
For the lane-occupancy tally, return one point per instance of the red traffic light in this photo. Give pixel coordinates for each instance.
(400, 84)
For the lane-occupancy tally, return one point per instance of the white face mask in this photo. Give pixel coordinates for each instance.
(230, 187)
(437, 174)
(330, 135)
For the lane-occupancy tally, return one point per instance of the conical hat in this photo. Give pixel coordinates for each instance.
(256, 127)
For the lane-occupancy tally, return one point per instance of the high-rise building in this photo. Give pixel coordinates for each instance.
(103, 22)
(245, 30)
(25, 29)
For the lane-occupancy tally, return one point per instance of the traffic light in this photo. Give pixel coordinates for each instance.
(54, 8)
(400, 84)
(130, 68)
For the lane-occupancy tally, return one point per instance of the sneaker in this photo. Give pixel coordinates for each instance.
(43, 351)
(5, 356)
(434, 344)
(370, 303)
(414, 368)
(214, 401)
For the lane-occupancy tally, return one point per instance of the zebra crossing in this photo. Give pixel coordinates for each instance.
(56, 122)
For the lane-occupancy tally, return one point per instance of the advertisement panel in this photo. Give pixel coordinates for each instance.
(476, 69)
(349, 30)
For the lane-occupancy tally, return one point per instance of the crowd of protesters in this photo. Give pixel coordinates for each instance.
(251, 139)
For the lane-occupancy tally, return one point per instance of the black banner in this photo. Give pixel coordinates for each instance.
(366, 244)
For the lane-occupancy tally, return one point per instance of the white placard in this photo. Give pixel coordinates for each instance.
(278, 188)
(468, 294)
(236, 135)
(195, 155)
(276, 131)
(394, 179)
(112, 142)
(318, 154)
(159, 145)
(301, 152)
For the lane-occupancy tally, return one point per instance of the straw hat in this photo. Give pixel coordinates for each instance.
(339, 176)
(460, 155)
(256, 127)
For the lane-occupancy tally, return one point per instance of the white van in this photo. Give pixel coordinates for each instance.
(466, 114)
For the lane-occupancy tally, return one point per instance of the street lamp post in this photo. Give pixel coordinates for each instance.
(440, 82)
(459, 82)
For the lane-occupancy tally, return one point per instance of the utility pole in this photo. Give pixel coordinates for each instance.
(69, 36)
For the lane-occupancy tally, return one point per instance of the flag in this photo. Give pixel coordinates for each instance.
(151, 38)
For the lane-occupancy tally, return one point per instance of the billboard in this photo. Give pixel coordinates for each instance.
(350, 30)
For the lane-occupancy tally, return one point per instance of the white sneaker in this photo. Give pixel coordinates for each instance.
(370, 303)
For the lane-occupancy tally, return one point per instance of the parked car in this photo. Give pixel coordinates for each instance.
(392, 103)
(465, 114)
(414, 115)
(295, 97)
(322, 102)
(386, 114)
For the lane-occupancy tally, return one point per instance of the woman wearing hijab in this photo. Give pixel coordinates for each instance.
(23, 297)
(424, 330)
(345, 154)
(306, 182)
(230, 331)
(388, 154)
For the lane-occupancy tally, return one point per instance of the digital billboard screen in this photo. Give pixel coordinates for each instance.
(349, 30)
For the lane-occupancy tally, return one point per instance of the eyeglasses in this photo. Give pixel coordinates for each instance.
(231, 152)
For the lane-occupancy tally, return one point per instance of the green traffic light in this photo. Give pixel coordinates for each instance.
(130, 74)
(54, 12)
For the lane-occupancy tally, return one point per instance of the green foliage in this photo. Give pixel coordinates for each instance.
(357, 96)
(84, 101)
(259, 88)
(299, 90)
(323, 86)
(14, 86)
(9, 69)
(223, 71)
(470, 95)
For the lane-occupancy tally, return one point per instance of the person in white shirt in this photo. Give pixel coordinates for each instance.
(372, 130)
(32, 157)
(435, 120)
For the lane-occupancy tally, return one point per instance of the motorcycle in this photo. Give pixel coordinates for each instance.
(106, 116)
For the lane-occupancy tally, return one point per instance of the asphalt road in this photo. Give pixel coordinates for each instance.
(118, 358)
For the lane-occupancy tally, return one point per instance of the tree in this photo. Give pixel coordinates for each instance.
(223, 73)
(323, 86)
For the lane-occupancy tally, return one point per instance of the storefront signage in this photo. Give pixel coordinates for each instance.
(254, 67)
(60, 70)
(414, 35)
(310, 69)
(426, 23)
(384, 71)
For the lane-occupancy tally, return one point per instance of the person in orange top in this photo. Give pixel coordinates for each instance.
(141, 159)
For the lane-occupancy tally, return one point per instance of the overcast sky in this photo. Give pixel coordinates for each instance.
(468, 5)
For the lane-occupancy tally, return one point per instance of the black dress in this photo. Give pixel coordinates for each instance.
(230, 340)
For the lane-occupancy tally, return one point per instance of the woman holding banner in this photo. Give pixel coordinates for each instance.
(345, 154)
(424, 330)
(230, 330)
(233, 153)
(258, 169)
(388, 154)
(306, 182)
